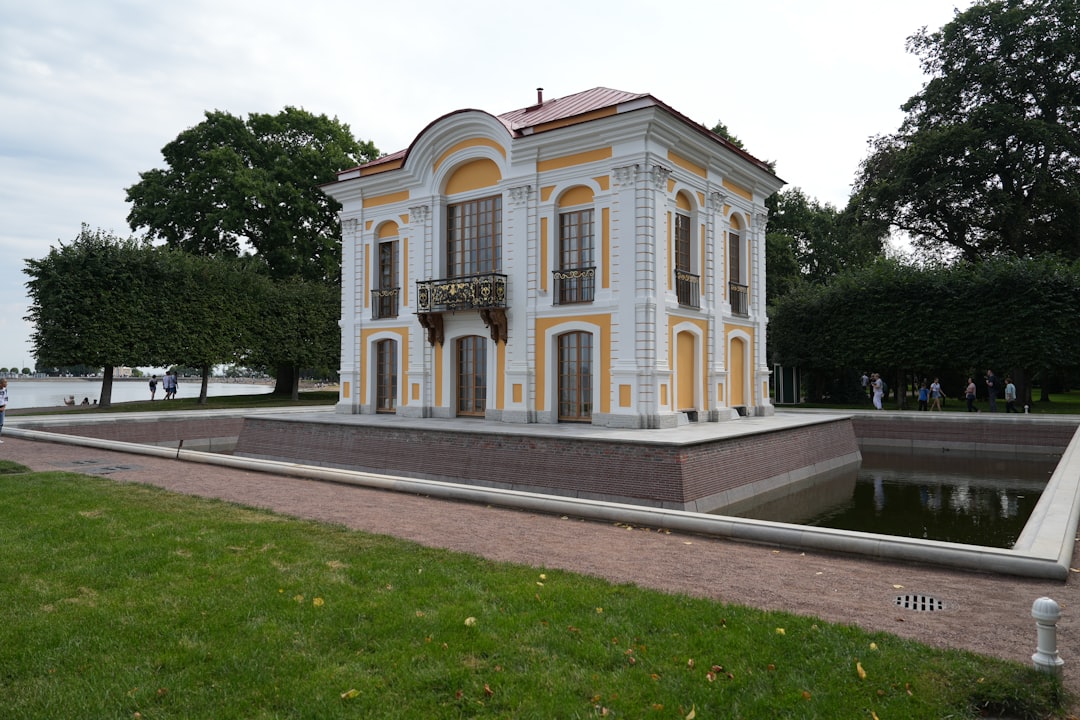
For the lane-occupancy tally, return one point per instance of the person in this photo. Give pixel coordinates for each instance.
(3, 403)
(153, 386)
(168, 384)
(969, 393)
(924, 395)
(865, 380)
(991, 390)
(1010, 396)
(879, 390)
(936, 395)
(86, 401)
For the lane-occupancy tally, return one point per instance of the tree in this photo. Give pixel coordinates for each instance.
(301, 330)
(987, 160)
(97, 302)
(231, 183)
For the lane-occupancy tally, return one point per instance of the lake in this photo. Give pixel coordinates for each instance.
(32, 393)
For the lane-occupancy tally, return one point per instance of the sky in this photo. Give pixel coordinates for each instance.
(91, 91)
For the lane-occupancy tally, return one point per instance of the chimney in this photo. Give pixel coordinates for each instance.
(539, 96)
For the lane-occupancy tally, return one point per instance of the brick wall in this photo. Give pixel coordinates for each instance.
(147, 432)
(663, 474)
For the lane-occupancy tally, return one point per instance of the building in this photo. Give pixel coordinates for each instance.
(596, 258)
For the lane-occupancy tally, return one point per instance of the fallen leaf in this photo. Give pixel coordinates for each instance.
(470, 621)
(770, 667)
(710, 676)
(318, 602)
(692, 714)
(599, 610)
(898, 587)
(350, 694)
(859, 669)
(419, 613)
(907, 687)
(543, 576)
(690, 663)
(488, 691)
(873, 646)
(806, 694)
(874, 715)
(780, 631)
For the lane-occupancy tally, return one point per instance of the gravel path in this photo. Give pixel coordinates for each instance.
(983, 613)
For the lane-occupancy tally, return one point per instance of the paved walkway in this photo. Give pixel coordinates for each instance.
(983, 613)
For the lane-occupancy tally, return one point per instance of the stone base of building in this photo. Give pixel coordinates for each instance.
(703, 467)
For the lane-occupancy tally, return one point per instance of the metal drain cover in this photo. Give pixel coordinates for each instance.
(919, 603)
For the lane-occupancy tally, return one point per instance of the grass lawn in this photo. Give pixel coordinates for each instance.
(125, 601)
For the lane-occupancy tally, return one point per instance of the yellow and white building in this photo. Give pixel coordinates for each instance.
(595, 258)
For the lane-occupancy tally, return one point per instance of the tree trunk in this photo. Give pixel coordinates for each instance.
(106, 387)
(288, 382)
(205, 382)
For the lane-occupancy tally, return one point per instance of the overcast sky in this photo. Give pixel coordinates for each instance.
(91, 91)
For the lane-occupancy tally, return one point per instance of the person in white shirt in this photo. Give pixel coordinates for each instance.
(3, 402)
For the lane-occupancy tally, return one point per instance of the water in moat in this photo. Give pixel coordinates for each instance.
(973, 500)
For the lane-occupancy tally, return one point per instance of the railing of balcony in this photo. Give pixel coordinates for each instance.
(739, 297)
(384, 303)
(574, 285)
(487, 290)
(688, 288)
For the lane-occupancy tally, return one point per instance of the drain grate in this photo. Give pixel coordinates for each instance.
(919, 603)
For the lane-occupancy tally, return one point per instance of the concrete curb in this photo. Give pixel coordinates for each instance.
(1044, 549)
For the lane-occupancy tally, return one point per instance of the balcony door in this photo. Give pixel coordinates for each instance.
(471, 376)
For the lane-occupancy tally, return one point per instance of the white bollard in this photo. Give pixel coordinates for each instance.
(1046, 613)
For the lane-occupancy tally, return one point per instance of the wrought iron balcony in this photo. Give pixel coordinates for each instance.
(739, 297)
(384, 303)
(688, 288)
(479, 292)
(574, 285)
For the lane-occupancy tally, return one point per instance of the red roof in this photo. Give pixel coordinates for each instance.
(517, 122)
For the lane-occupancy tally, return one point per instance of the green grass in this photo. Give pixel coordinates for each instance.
(126, 601)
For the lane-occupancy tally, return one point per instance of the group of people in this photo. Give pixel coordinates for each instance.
(168, 384)
(931, 394)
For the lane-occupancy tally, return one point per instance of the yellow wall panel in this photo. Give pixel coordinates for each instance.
(377, 200)
(604, 182)
(473, 175)
(686, 164)
(578, 195)
(345, 389)
(387, 230)
(545, 192)
(576, 159)
(517, 393)
(464, 144)
(625, 396)
(738, 189)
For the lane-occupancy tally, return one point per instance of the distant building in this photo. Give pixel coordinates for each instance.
(121, 372)
(595, 258)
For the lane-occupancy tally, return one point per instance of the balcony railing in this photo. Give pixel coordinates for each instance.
(473, 292)
(688, 288)
(739, 297)
(384, 303)
(574, 285)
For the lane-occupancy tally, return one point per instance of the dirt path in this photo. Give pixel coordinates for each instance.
(983, 613)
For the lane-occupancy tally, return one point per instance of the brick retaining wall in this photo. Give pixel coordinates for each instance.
(667, 475)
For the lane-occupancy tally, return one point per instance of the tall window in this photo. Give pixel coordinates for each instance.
(474, 237)
(738, 293)
(575, 377)
(575, 280)
(682, 242)
(686, 283)
(471, 376)
(386, 376)
(386, 294)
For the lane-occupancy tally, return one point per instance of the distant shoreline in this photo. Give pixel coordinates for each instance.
(76, 378)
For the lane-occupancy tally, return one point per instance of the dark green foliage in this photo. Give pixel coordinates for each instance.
(987, 160)
(1010, 315)
(231, 183)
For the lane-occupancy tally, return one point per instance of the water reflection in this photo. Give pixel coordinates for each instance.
(965, 500)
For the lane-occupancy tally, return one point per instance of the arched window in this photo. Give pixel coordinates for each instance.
(386, 376)
(471, 376)
(687, 283)
(575, 377)
(738, 294)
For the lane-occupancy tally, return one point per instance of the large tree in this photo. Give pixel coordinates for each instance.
(987, 159)
(231, 183)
